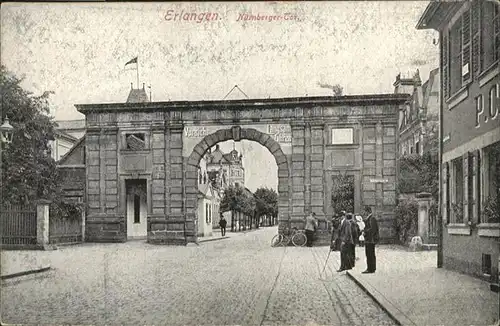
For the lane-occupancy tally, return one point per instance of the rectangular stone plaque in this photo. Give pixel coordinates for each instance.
(134, 162)
(342, 158)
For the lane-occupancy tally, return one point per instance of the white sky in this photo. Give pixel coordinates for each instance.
(78, 50)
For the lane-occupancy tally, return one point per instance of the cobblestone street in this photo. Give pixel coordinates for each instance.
(236, 281)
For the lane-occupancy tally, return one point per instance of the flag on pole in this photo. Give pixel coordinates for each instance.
(134, 60)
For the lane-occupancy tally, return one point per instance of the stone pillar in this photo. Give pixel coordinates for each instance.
(307, 168)
(298, 176)
(379, 162)
(42, 223)
(424, 201)
(317, 159)
(83, 224)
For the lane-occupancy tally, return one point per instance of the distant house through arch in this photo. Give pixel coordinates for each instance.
(238, 133)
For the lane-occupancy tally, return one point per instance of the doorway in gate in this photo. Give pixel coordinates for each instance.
(136, 200)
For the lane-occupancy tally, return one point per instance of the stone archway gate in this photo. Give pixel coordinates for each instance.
(312, 139)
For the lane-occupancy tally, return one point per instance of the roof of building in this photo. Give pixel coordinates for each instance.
(70, 152)
(70, 124)
(232, 156)
(254, 104)
(427, 87)
(436, 14)
(137, 96)
(62, 134)
(205, 189)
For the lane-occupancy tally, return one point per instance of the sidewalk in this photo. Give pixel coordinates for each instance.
(216, 235)
(410, 287)
(22, 262)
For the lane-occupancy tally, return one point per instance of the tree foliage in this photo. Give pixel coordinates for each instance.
(419, 174)
(266, 202)
(236, 198)
(343, 193)
(28, 170)
(406, 223)
(431, 137)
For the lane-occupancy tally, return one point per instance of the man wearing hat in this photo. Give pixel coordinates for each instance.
(371, 238)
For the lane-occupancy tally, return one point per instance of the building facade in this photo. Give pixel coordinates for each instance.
(420, 118)
(158, 146)
(470, 133)
(208, 202)
(230, 165)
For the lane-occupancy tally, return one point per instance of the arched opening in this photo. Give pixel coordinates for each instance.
(237, 134)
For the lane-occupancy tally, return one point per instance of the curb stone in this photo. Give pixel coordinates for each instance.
(215, 239)
(27, 272)
(386, 305)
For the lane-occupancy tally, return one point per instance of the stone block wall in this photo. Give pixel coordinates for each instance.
(305, 169)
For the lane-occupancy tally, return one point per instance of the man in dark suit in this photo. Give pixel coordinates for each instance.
(371, 238)
(222, 224)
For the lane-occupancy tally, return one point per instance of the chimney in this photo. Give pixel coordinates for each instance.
(403, 85)
(131, 86)
(416, 79)
(143, 86)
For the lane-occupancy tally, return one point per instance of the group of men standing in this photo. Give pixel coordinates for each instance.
(346, 235)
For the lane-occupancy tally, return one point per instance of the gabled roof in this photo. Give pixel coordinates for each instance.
(71, 151)
(137, 96)
(229, 157)
(62, 134)
(206, 190)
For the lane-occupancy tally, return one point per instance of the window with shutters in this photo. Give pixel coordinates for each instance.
(491, 185)
(446, 193)
(477, 60)
(457, 55)
(445, 83)
(457, 215)
(466, 47)
(469, 205)
(490, 28)
(477, 185)
(206, 212)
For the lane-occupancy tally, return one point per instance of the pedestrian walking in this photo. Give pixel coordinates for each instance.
(222, 224)
(361, 225)
(371, 239)
(348, 236)
(311, 226)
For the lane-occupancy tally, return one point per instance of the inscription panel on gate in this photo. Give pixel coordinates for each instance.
(192, 134)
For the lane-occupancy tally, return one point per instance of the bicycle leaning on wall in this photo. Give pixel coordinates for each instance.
(295, 236)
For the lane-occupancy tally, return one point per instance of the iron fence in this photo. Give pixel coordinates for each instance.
(18, 225)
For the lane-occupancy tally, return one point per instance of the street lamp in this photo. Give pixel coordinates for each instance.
(7, 132)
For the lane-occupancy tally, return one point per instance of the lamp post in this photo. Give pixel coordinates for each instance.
(6, 134)
(7, 131)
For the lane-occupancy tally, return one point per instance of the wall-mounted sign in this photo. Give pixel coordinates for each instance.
(280, 132)
(196, 132)
(379, 180)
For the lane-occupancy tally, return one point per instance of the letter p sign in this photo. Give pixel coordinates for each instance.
(479, 109)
